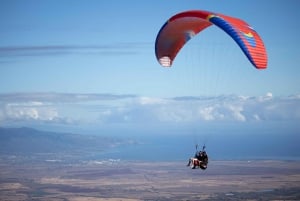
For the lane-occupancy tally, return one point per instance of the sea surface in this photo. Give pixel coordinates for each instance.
(223, 141)
(219, 147)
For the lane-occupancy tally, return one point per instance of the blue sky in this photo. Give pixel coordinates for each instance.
(92, 63)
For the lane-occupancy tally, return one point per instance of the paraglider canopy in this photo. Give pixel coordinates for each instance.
(183, 26)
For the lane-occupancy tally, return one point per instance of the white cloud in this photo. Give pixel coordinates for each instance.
(29, 111)
(207, 113)
(236, 112)
(109, 108)
(151, 101)
(269, 95)
(256, 117)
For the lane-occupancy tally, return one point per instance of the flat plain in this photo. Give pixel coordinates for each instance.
(136, 180)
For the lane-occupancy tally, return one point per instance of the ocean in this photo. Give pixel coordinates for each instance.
(237, 144)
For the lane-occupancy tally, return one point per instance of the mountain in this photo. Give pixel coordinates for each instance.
(28, 140)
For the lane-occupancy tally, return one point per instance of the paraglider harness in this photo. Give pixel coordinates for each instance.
(200, 160)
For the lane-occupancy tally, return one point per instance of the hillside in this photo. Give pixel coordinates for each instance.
(27, 140)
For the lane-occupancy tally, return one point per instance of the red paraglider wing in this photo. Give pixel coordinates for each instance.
(183, 26)
(176, 32)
